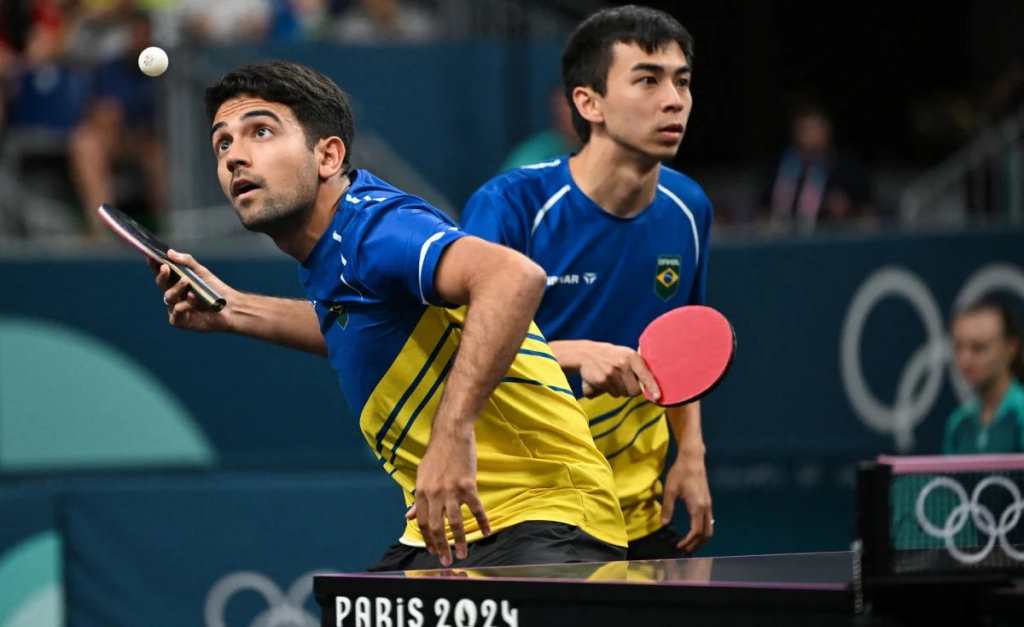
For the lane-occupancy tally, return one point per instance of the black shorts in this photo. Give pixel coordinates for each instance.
(534, 542)
(660, 545)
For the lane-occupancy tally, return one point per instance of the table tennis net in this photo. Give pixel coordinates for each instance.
(945, 515)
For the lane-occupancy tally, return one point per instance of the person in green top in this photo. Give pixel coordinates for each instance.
(554, 141)
(987, 350)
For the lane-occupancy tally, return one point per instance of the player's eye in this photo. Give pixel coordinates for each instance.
(648, 80)
(264, 131)
(223, 145)
(683, 82)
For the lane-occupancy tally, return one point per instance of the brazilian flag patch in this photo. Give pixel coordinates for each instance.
(666, 277)
(341, 314)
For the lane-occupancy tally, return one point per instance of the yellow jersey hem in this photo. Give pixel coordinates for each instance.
(621, 542)
(643, 518)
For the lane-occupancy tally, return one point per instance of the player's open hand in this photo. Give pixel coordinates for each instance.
(445, 481)
(687, 480)
(185, 310)
(616, 370)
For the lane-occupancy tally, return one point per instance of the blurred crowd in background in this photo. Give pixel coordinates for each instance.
(79, 124)
(74, 106)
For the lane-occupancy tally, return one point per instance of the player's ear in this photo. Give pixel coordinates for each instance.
(588, 104)
(330, 156)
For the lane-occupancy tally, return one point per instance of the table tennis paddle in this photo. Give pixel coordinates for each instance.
(688, 350)
(145, 242)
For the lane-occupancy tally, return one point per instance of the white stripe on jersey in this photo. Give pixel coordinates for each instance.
(423, 256)
(337, 238)
(693, 223)
(548, 205)
(344, 262)
(541, 165)
(351, 287)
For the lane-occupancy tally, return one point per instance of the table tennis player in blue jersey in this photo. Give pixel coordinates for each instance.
(622, 239)
(456, 391)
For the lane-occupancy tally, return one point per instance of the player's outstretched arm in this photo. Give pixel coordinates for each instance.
(687, 478)
(502, 289)
(283, 321)
(606, 368)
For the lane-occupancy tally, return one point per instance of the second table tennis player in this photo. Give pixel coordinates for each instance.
(622, 239)
(456, 392)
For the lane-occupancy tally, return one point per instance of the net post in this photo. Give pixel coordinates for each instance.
(873, 524)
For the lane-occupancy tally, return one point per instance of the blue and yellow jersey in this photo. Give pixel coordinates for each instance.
(608, 277)
(392, 342)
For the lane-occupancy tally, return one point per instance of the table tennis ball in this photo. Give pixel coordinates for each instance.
(153, 61)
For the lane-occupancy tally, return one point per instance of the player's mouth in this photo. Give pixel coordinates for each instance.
(242, 187)
(671, 132)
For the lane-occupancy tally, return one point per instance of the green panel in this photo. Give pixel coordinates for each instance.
(30, 583)
(70, 401)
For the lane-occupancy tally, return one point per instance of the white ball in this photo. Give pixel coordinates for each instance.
(153, 61)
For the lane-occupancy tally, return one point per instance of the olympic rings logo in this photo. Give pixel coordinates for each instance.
(982, 517)
(920, 382)
(284, 609)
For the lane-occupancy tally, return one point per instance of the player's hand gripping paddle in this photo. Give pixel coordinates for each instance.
(688, 350)
(142, 239)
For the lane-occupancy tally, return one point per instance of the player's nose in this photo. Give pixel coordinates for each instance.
(673, 100)
(237, 156)
(236, 160)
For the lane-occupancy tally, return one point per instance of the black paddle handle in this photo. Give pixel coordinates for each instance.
(207, 294)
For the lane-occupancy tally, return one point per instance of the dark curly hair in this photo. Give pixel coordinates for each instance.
(320, 106)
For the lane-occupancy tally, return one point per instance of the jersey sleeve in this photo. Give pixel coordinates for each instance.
(399, 251)
(492, 216)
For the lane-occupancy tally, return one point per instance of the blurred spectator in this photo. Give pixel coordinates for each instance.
(227, 22)
(15, 24)
(297, 20)
(43, 100)
(987, 350)
(387, 21)
(224, 22)
(558, 139)
(43, 91)
(97, 31)
(44, 41)
(119, 122)
(813, 185)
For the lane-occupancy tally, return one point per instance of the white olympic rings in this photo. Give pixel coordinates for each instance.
(982, 517)
(914, 399)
